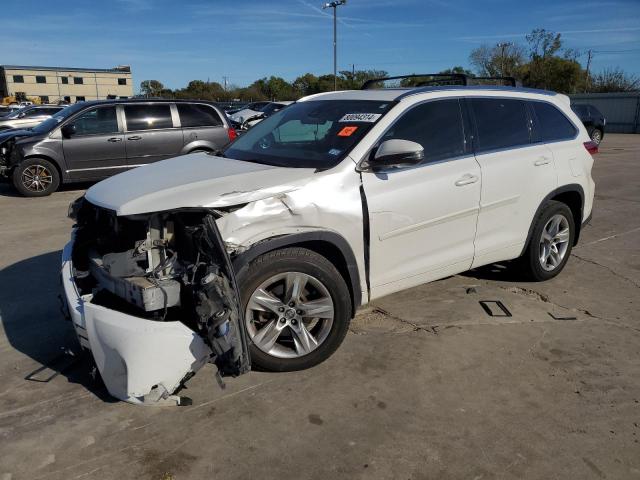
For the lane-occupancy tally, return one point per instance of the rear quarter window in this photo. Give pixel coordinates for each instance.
(500, 123)
(198, 115)
(551, 125)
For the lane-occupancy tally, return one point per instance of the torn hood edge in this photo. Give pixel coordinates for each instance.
(192, 181)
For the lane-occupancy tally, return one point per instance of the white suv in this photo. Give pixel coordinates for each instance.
(263, 253)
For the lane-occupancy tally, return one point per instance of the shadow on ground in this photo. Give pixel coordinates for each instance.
(7, 189)
(33, 322)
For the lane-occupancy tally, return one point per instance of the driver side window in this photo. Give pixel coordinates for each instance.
(102, 120)
(437, 126)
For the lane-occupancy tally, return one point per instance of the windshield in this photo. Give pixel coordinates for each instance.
(50, 123)
(16, 113)
(271, 107)
(315, 134)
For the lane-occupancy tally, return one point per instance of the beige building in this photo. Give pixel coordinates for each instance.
(53, 84)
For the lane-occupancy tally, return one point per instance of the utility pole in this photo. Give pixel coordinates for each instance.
(502, 46)
(335, 4)
(586, 77)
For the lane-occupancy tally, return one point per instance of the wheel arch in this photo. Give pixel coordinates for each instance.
(330, 245)
(48, 159)
(571, 195)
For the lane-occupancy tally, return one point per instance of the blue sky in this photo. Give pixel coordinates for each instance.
(177, 41)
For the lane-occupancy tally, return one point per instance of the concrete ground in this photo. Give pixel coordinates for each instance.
(425, 386)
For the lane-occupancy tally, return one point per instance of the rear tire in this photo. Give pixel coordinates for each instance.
(550, 244)
(36, 177)
(596, 136)
(279, 321)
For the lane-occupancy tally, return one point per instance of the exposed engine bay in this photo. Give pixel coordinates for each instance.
(166, 269)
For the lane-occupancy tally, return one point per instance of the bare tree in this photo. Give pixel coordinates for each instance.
(614, 80)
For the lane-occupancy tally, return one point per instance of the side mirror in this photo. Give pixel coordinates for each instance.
(397, 153)
(68, 130)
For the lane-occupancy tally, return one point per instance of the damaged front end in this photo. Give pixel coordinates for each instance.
(154, 298)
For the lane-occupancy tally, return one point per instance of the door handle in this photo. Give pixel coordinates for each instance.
(542, 161)
(135, 137)
(114, 139)
(467, 180)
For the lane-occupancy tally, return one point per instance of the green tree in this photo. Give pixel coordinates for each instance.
(151, 88)
(614, 80)
(501, 60)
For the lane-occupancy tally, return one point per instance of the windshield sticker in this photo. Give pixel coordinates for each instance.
(347, 131)
(360, 117)
(334, 152)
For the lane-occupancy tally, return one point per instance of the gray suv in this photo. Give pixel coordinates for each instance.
(90, 141)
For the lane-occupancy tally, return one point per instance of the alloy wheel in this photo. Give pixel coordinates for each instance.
(36, 178)
(554, 242)
(289, 315)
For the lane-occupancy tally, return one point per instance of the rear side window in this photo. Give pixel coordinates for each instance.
(551, 124)
(501, 123)
(197, 115)
(437, 126)
(148, 117)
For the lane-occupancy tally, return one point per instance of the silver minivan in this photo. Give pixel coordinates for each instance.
(29, 117)
(93, 140)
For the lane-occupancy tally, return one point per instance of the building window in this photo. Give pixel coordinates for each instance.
(18, 79)
(67, 99)
(124, 97)
(65, 80)
(41, 79)
(122, 81)
(80, 99)
(78, 80)
(111, 97)
(44, 98)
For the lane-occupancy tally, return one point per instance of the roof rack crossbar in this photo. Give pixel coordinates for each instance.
(511, 80)
(458, 77)
(454, 76)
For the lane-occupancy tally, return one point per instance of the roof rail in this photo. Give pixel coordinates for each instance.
(439, 78)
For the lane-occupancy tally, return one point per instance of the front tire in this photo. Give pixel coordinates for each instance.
(551, 242)
(36, 177)
(297, 309)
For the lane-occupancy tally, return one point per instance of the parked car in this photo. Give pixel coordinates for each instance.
(29, 117)
(265, 252)
(592, 119)
(255, 106)
(7, 109)
(247, 118)
(94, 140)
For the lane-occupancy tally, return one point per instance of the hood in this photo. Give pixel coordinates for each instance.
(241, 115)
(191, 181)
(15, 133)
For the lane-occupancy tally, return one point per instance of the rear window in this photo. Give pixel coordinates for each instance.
(551, 125)
(148, 117)
(198, 115)
(501, 123)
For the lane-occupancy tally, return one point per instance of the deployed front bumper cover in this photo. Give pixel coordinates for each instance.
(140, 361)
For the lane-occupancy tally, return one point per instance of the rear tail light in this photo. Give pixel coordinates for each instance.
(233, 134)
(592, 147)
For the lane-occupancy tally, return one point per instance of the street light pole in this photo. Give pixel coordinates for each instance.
(502, 47)
(335, 6)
